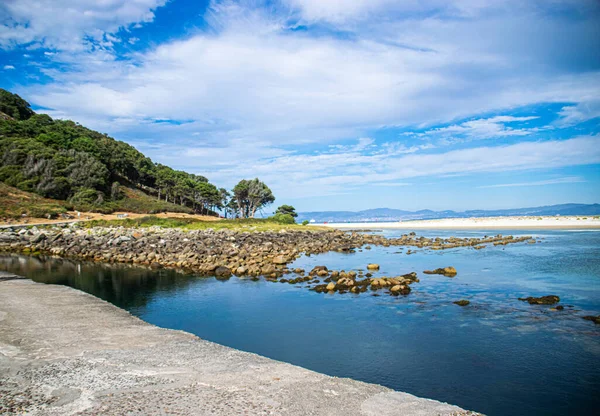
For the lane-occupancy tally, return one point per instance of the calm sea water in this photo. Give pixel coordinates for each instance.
(498, 355)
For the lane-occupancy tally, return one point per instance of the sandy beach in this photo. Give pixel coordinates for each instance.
(574, 222)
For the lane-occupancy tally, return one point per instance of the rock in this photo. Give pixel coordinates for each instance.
(446, 271)
(400, 290)
(280, 260)
(543, 300)
(594, 319)
(156, 265)
(267, 270)
(373, 266)
(222, 272)
(462, 302)
(240, 271)
(560, 308)
(38, 238)
(330, 286)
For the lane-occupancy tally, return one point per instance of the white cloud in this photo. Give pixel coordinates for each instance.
(482, 128)
(293, 175)
(579, 113)
(557, 181)
(249, 88)
(69, 24)
(7, 67)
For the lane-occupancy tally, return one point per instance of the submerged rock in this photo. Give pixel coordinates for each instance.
(542, 300)
(373, 266)
(594, 319)
(222, 272)
(446, 271)
(462, 302)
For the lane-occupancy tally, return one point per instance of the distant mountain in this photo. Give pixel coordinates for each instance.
(388, 214)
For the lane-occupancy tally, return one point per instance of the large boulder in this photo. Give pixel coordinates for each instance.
(280, 260)
(372, 266)
(222, 272)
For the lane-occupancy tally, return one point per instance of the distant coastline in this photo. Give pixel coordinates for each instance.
(514, 222)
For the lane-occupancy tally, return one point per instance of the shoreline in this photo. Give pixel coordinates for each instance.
(63, 352)
(496, 223)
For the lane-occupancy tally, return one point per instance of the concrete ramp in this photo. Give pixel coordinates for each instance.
(64, 352)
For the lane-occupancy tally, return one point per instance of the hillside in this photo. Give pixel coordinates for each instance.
(15, 203)
(387, 214)
(76, 167)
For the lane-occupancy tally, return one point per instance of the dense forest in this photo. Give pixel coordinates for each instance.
(61, 159)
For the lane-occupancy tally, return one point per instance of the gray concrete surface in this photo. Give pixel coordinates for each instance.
(64, 352)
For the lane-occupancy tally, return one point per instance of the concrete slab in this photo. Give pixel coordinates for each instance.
(64, 352)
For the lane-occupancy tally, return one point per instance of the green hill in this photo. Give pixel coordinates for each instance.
(65, 161)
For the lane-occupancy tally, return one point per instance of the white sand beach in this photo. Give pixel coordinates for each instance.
(574, 222)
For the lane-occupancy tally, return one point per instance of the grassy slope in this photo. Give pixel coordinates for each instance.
(14, 203)
(192, 224)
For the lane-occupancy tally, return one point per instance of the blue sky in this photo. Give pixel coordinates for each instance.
(335, 104)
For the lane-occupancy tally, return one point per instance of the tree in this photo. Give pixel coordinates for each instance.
(252, 195)
(14, 106)
(287, 209)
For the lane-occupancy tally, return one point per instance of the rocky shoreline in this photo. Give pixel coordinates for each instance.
(225, 253)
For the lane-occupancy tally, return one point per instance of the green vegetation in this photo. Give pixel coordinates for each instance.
(250, 196)
(62, 160)
(305, 222)
(247, 224)
(287, 210)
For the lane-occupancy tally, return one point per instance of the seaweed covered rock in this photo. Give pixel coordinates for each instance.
(594, 319)
(542, 300)
(446, 271)
(462, 302)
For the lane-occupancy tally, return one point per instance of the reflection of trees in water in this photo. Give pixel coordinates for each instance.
(124, 285)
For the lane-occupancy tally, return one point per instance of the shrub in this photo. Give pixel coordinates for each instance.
(305, 222)
(85, 196)
(283, 218)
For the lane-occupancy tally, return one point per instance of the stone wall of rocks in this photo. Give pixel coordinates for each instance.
(221, 253)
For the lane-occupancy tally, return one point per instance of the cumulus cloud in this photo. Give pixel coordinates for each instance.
(69, 24)
(255, 84)
(257, 79)
(8, 67)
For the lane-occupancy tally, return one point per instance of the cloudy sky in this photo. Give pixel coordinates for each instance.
(335, 104)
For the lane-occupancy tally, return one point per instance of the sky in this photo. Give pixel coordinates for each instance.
(335, 104)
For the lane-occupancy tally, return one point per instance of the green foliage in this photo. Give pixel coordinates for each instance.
(283, 218)
(305, 222)
(287, 209)
(85, 196)
(246, 224)
(252, 195)
(14, 106)
(60, 158)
